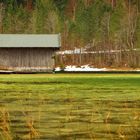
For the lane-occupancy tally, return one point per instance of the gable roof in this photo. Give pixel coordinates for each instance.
(29, 41)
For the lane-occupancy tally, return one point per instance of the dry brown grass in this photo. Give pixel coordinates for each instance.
(5, 124)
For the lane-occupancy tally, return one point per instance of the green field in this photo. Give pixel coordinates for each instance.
(70, 107)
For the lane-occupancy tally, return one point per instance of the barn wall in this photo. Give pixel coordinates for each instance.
(27, 58)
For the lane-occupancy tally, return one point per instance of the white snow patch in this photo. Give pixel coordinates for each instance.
(82, 68)
(58, 69)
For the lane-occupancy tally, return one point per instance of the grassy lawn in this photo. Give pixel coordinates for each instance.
(70, 107)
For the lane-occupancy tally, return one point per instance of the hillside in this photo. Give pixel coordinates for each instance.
(99, 24)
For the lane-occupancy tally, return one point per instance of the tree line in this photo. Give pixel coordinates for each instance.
(100, 24)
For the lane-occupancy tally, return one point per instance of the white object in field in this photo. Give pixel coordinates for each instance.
(82, 68)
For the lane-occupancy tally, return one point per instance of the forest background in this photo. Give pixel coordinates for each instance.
(106, 33)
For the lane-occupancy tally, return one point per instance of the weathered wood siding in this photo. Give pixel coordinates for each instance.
(27, 58)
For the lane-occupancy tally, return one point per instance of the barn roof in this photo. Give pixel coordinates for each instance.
(29, 40)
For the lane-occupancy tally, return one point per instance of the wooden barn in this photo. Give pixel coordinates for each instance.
(32, 53)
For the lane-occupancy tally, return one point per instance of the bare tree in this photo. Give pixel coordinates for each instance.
(1, 16)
